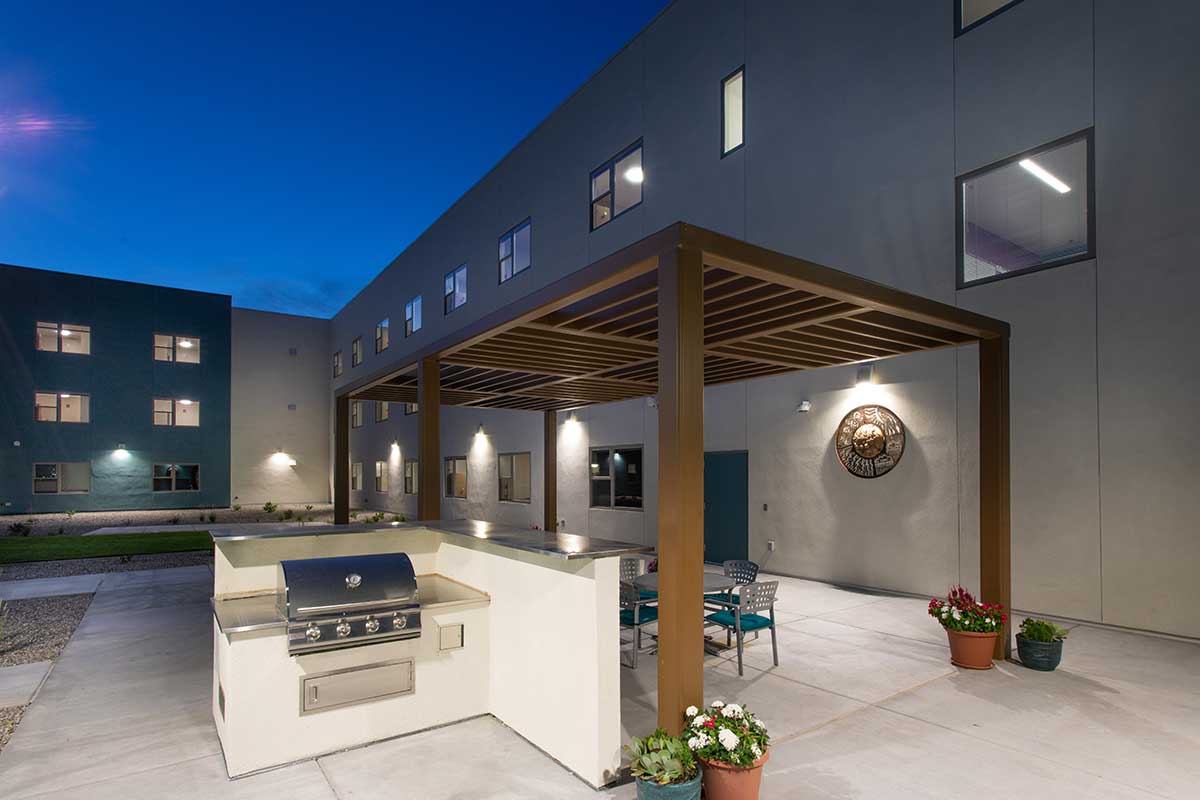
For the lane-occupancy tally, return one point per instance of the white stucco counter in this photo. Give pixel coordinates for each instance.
(518, 624)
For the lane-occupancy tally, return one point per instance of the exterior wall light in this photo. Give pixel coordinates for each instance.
(283, 459)
(866, 375)
(804, 407)
(121, 453)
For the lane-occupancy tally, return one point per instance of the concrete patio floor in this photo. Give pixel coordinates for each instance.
(863, 704)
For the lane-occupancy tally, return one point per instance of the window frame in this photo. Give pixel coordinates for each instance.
(171, 468)
(383, 411)
(174, 347)
(337, 364)
(411, 408)
(1088, 136)
(356, 351)
(448, 296)
(356, 414)
(500, 477)
(174, 412)
(356, 476)
(58, 476)
(382, 335)
(410, 476)
(58, 413)
(59, 327)
(611, 477)
(729, 151)
(959, 30)
(466, 477)
(611, 166)
(511, 236)
(411, 309)
(381, 477)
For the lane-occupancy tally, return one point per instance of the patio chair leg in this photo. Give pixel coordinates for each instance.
(739, 638)
(637, 644)
(774, 645)
(728, 638)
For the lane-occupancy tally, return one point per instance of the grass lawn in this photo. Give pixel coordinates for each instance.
(14, 549)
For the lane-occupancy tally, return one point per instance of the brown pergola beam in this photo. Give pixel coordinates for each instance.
(550, 470)
(995, 512)
(680, 485)
(341, 461)
(429, 440)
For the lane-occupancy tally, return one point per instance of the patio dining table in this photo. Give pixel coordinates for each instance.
(713, 582)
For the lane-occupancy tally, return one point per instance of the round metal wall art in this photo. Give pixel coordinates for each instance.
(870, 441)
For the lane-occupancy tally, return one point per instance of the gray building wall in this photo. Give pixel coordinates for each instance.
(122, 378)
(859, 118)
(280, 389)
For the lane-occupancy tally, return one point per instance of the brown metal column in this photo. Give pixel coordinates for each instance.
(429, 447)
(995, 512)
(341, 461)
(550, 471)
(680, 485)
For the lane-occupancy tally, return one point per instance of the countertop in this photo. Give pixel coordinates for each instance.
(260, 612)
(548, 543)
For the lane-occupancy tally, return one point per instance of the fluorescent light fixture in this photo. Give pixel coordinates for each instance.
(66, 332)
(185, 402)
(185, 342)
(65, 396)
(1050, 180)
(635, 175)
(866, 375)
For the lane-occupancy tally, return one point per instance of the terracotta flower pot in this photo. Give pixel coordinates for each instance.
(727, 782)
(971, 650)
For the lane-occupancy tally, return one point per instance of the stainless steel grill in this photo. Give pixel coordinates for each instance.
(331, 603)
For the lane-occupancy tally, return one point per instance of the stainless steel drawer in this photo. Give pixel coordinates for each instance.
(346, 687)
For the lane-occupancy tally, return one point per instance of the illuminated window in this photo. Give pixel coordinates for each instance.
(62, 478)
(180, 413)
(733, 111)
(356, 353)
(176, 477)
(356, 414)
(60, 337)
(455, 289)
(513, 470)
(337, 363)
(356, 476)
(617, 186)
(182, 349)
(381, 336)
(515, 250)
(456, 476)
(381, 476)
(412, 316)
(616, 475)
(411, 408)
(382, 410)
(410, 476)
(61, 407)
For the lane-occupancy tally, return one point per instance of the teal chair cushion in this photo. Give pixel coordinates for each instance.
(647, 594)
(645, 614)
(750, 622)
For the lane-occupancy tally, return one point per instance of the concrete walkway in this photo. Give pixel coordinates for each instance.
(863, 704)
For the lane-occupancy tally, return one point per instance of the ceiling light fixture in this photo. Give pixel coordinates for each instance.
(635, 175)
(185, 342)
(185, 402)
(1045, 177)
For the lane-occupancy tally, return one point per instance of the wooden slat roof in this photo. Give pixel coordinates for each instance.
(593, 337)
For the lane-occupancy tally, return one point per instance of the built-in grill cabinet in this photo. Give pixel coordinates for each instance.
(332, 603)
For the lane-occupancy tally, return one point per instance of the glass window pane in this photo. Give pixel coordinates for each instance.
(627, 478)
(73, 408)
(187, 413)
(187, 477)
(164, 347)
(449, 284)
(521, 250)
(76, 477)
(602, 492)
(417, 314)
(521, 479)
(975, 10)
(76, 339)
(460, 286)
(164, 412)
(47, 336)
(162, 477)
(187, 350)
(506, 269)
(629, 182)
(506, 246)
(600, 183)
(45, 478)
(733, 111)
(46, 407)
(1025, 214)
(602, 211)
(599, 463)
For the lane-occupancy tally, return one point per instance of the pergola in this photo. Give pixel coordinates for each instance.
(666, 316)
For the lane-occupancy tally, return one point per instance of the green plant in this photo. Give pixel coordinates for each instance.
(175, 520)
(288, 513)
(353, 515)
(728, 733)
(397, 518)
(20, 529)
(308, 508)
(212, 517)
(3, 616)
(661, 758)
(269, 507)
(960, 611)
(1040, 630)
(200, 518)
(377, 517)
(237, 506)
(71, 514)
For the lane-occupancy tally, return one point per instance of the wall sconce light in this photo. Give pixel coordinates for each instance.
(866, 375)
(283, 459)
(121, 452)
(805, 406)
(652, 402)
(480, 432)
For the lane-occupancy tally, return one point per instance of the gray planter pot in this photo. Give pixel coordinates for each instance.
(671, 791)
(1043, 656)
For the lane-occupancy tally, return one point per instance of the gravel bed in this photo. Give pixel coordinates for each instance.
(38, 629)
(9, 717)
(93, 566)
(185, 519)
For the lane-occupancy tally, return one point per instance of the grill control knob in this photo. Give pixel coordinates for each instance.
(399, 621)
(313, 632)
(372, 625)
(343, 629)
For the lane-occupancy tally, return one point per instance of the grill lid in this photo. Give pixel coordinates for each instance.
(315, 587)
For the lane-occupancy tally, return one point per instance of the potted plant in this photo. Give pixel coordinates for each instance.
(972, 627)
(664, 767)
(731, 744)
(1040, 644)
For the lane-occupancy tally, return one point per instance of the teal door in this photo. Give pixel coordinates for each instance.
(726, 506)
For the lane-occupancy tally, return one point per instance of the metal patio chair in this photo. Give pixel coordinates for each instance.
(636, 611)
(741, 571)
(740, 616)
(631, 568)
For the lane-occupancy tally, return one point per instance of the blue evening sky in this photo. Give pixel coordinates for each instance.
(283, 153)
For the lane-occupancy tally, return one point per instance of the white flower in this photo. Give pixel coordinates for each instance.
(945, 611)
(694, 743)
(729, 740)
(956, 614)
(691, 711)
(733, 711)
(989, 620)
(704, 739)
(699, 721)
(756, 750)
(717, 704)
(758, 723)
